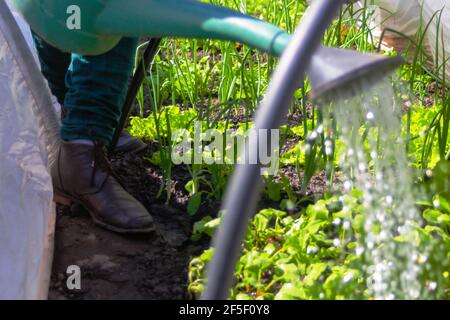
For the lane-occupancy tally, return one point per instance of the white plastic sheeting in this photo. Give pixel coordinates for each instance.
(28, 136)
(403, 16)
(438, 34)
(412, 16)
(24, 28)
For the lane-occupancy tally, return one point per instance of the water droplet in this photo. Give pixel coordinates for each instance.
(432, 286)
(347, 225)
(436, 203)
(421, 259)
(311, 250)
(381, 217)
(347, 185)
(307, 148)
(348, 277)
(414, 293)
(391, 296)
(389, 199)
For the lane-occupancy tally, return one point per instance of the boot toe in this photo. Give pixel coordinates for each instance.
(128, 143)
(143, 222)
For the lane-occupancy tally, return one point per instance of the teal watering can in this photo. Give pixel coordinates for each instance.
(93, 27)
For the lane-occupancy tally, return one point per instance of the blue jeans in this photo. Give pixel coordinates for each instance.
(92, 89)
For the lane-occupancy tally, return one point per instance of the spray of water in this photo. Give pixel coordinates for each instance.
(375, 162)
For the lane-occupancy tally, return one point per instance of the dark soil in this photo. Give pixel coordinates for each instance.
(154, 266)
(114, 266)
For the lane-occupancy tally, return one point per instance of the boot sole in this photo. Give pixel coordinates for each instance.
(66, 199)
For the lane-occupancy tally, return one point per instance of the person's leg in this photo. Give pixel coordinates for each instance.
(93, 94)
(96, 90)
(54, 65)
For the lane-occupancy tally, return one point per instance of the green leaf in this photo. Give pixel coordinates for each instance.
(318, 211)
(274, 191)
(200, 228)
(440, 179)
(194, 203)
(270, 248)
(314, 272)
(288, 272)
(443, 201)
(189, 186)
(436, 216)
(207, 226)
(334, 206)
(243, 296)
(358, 223)
(291, 291)
(256, 262)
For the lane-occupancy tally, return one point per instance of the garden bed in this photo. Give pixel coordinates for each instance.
(305, 243)
(154, 266)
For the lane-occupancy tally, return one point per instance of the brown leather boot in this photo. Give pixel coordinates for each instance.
(82, 174)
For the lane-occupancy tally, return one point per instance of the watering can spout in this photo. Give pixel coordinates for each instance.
(189, 19)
